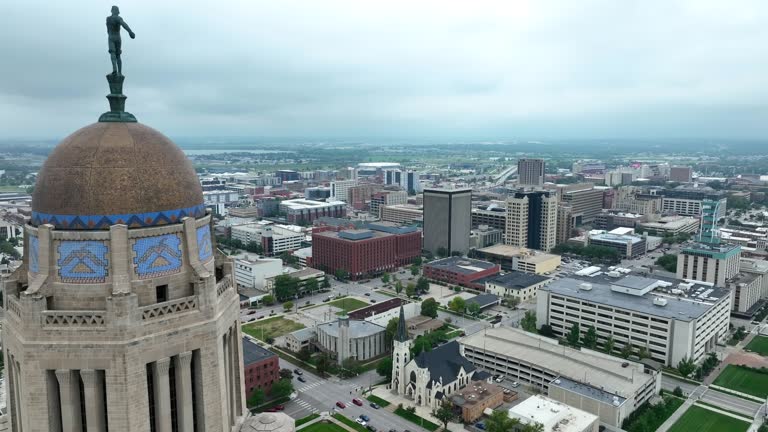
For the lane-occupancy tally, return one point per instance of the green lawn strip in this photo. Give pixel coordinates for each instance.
(648, 417)
(744, 379)
(347, 304)
(351, 423)
(745, 416)
(306, 419)
(293, 360)
(377, 400)
(271, 328)
(322, 427)
(759, 345)
(703, 420)
(415, 419)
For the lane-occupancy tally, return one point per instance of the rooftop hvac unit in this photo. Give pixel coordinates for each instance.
(586, 286)
(616, 403)
(659, 301)
(557, 381)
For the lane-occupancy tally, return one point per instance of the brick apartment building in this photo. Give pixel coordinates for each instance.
(379, 248)
(466, 272)
(261, 368)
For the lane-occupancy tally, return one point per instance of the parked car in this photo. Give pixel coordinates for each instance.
(373, 300)
(365, 417)
(374, 405)
(500, 379)
(298, 372)
(279, 407)
(361, 421)
(301, 379)
(480, 425)
(357, 402)
(341, 404)
(371, 428)
(368, 294)
(515, 384)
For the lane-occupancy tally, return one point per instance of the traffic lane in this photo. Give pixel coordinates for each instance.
(731, 402)
(381, 419)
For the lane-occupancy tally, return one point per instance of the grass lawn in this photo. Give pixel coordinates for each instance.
(323, 427)
(377, 400)
(703, 420)
(415, 419)
(348, 304)
(759, 345)
(743, 379)
(351, 423)
(271, 328)
(306, 419)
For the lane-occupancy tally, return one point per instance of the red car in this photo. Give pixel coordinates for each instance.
(279, 407)
(357, 402)
(340, 404)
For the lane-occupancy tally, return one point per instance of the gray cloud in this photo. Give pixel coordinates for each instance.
(506, 68)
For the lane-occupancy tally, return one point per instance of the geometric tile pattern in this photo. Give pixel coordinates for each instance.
(205, 251)
(157, 256)
(34, 252)
(138, 220)
(83, 261)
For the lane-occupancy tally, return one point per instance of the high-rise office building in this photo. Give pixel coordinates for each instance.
(566, 222)
(531, 220)
(585, 200)
(681, 174)
(412, 183)
(340, 189)
(530, 172)
(447, 219)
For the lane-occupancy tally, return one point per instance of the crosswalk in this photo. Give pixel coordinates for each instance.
(306, 405)
(309, 386)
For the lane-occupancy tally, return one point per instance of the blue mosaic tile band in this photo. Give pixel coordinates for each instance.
(157, 256)
(139, 220)
(34, 253)
(83, 261)
(204, 247)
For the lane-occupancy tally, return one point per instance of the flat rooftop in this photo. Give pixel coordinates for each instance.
(555, 416)
(693, 300)
(516, 280)
(474, 393)
(598, 370)
(353, 234)
(529, 255)
(253, 353)
(618, 238)
(298, 204)
(461, 265)
(357, 328)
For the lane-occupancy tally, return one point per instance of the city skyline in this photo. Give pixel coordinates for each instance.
(509, 70)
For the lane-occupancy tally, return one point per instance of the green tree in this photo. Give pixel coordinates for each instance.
(304, 354)
(311, 285)
(350, 367)
(590, 338)
(341, 274)
(457, 305)
(417, 261)
(287, 306)
(642, 352)
(256, 398)
(678, 392)
(282, 388)
(322, 364)
(385, 278)
(627, 350)
(286, 373)
(422, 285)
(546, 330)
(528, 323)
(574, 335)
(414, 270)
(389, 333)
(398, 287)
(609, 344)
(286, 287)
(442, 252)
(268, 299)
(429, 308)
(326, 282)
(667, 262)
(512, 301)
(384, 368)
(410, 290)
(473, 309)
(289, 258)
(445, 413)
(420, 345)
(686, 366)
(500, 421)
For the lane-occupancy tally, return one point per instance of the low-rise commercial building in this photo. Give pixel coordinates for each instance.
(493, 215)
(606, 386)
(304, 211)
(746, 292)
(475, 398)
(672, 319)
(261, 368)
(250, 273)
(554, 416)
(274, 239)
(304, 277)
(300, 339)
(466, 272)
(627, 246)
(709, 262)
(402, 213)
(611, 219)
(512, 258)
(519, 285)
(484, 236)
(356, 339)
(670, 225)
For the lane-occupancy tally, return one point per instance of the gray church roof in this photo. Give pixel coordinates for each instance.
(444, 361)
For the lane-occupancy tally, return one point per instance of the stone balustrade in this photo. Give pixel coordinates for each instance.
(94, 319)
(162, 310)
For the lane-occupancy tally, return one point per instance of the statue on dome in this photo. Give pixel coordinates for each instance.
(114, 22)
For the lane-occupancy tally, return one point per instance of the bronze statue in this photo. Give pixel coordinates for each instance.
(114, 22)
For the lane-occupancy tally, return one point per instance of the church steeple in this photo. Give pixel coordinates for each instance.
(402, 330)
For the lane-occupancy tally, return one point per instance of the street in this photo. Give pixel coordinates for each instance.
(317, 395)
(717, 398)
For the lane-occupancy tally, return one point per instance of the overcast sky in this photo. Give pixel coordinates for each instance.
(363, 68)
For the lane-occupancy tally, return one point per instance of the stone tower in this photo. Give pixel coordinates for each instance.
(344, 348)
(401, 353)
(123, 317)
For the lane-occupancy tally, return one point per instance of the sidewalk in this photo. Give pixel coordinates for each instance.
(693, 397)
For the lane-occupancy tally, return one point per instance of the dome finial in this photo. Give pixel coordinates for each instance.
(116, 97)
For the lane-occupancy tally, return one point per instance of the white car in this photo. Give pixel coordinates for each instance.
(500, 379)
(515, 384)
(361, 421)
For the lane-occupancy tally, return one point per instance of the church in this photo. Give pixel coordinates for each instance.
(431, 376)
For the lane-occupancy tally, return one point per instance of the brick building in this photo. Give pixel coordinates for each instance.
(363, 252)
(299, 211)
(461, 271)
(261, 368)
